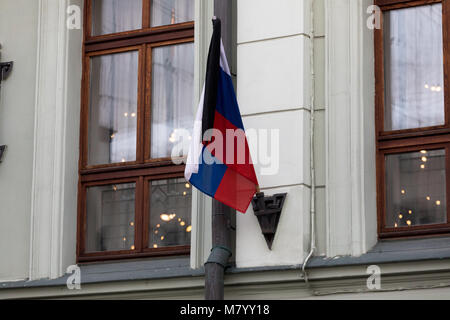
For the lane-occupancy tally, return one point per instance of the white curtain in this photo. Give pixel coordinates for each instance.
(166, 12)
(113, 109)
(111, 16)
(172, 96)
(413, 67)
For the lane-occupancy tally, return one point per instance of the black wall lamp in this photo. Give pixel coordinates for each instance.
(2, 151)
(5, 69)
(268, 211)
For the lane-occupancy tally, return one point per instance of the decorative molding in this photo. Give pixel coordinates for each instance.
(350, 137)
(268, 211)
(52, 114)
(2, 151)
(399, 281)
(201, 241)
(5, 70)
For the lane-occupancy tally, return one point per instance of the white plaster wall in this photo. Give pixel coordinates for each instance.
(319, 125)
(18, 37)
(273, 92)
(273, 88)
(40, 125)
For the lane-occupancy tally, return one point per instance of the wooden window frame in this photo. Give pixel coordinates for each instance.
(410, 140)
(143, 169)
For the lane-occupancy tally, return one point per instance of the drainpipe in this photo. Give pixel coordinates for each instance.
(221, 214)
(220, 252)
(312, 165)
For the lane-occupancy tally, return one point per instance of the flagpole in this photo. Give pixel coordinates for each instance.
(205, 176)
(221, 237)
(220, 252)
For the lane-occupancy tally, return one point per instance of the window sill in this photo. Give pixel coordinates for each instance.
(92, 273)
(391, 251)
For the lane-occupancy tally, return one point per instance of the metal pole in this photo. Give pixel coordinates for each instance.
(221, 214)
(220, 253)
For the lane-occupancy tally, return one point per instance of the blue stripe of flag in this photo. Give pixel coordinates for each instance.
(209, 176)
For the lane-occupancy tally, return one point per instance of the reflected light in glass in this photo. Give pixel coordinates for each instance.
(417, 188)
(165, 217)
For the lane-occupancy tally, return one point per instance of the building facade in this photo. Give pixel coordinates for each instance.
(350, 98)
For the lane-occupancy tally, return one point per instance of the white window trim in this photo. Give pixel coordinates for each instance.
(201, 241)
(56, 131)
(351, 216)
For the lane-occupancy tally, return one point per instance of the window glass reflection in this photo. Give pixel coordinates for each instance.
(110, 218)
(172, 97)
(413, 58)
(416, 189)
(164, 12)
(170, 213)
(113, 108)
(111, 16)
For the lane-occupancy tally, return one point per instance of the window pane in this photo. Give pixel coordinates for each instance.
(413, 57)
(166, 12)
(113, 108)
(172, 96)
(110, 218)
(170, 213)
(415, 189)
(111, 16)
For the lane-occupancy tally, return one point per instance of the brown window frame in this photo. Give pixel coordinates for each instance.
(143, 169)
(410, 140)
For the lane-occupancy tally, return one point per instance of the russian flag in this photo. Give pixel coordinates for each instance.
(219, 162)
